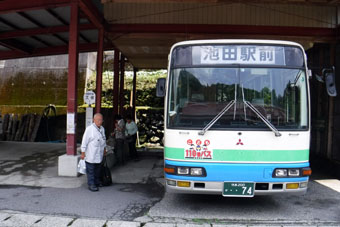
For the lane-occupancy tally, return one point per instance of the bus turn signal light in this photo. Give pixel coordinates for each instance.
(169, 170)
(306, 171)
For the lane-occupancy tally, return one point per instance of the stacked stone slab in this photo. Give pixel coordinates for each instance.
(150, 126)
(23, 129)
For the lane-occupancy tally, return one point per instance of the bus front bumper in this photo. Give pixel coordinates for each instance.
(208, 187)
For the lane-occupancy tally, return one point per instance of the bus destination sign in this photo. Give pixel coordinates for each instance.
(238, 54)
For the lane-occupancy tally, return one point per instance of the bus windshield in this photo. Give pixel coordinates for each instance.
(198, 94)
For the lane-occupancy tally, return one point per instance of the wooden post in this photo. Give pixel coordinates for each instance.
(121, 87)
(72, 81)
(99, 76)
(134, 84)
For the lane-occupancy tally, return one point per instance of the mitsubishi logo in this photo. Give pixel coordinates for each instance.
(239, 142)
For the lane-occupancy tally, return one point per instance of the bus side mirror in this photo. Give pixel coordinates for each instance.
(160, 89)
(329, 77)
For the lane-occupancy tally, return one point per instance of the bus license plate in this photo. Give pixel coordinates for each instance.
(238, 189)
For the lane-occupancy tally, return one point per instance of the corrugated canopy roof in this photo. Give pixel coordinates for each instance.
(41, 27)
(144, 30)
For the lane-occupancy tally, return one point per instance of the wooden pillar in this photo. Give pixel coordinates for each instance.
(115, 82)
(121, 86)
(72, 81)
(99, 76)
(134, 83)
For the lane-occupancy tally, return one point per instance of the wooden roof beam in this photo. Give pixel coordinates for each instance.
(297, 2)
(329, 33)
(17, 46)
(64, 22)
(85, 47)
(92, 13)
(41, 31)
(38, 24)
(13, 26)
(13, 6)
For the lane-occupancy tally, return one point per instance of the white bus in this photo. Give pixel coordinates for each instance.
(237, 118)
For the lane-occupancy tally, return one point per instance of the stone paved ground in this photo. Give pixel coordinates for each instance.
(31, 194)
(16, 219)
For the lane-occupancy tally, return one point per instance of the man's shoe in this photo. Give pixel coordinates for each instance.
(93, 188)
(99, 185)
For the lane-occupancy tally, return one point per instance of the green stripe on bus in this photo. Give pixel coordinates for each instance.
(224, 155)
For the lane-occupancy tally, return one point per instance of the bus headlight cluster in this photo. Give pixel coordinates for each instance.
(287, 173)
(182, 170)
(292, 172)
(280, 172)
(196, 171)
(185, 171)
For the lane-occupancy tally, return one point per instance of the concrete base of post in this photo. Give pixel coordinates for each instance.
(67, 165)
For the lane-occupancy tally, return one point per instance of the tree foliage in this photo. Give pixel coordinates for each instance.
(145, 87)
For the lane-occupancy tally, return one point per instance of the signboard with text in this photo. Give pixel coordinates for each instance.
(238, 54)
(89, 97)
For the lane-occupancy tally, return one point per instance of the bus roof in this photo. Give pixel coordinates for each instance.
(236, 41)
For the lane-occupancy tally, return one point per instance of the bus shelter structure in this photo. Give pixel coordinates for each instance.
(143, 31)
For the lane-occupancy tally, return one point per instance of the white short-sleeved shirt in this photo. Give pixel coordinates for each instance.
(93, 144)
(130, 129)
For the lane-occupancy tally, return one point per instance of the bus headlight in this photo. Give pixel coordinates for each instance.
(293, 172)
(196, 171)
(183, 170)
(281, 172)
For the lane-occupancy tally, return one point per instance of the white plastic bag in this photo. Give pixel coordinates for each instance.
(82, 167)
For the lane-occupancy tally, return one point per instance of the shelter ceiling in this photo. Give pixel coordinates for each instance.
(304, 2)
(145, 30)
(41, 27)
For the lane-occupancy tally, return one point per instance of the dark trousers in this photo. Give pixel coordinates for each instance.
(132, 146)
(93, 172)
(119, 150)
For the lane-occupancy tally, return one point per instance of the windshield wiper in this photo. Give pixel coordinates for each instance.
(258, 113)
(216, 118)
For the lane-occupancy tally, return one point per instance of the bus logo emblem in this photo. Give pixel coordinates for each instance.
(198, 150)
(239, 142)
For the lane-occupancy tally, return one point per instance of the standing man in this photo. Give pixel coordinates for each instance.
(131, 136)
(119, 134)
(92, 150)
